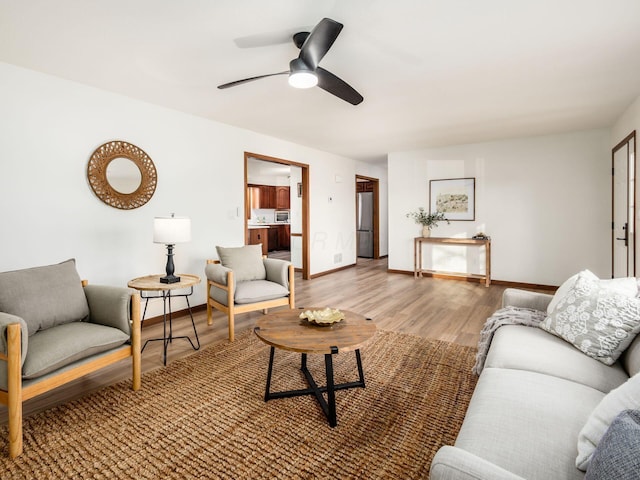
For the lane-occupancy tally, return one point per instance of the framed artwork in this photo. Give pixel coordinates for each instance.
(455, 197)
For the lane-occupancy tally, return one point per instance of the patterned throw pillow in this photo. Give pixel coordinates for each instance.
(628, 286)
(598, 320)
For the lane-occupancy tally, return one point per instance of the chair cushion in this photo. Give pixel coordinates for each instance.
(246, 262)
(598, 320)
(258, 291)
(44, 296)
(61, 345)
(617, 453)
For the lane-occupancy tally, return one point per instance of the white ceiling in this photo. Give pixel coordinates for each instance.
(432, 72)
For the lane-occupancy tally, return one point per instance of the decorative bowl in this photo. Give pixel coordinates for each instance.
(324, 318)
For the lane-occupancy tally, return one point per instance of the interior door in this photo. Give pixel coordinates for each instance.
(623, 208)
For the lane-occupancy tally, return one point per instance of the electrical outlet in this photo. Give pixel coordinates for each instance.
(337, 258)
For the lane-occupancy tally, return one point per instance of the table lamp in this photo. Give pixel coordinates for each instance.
(171, 230)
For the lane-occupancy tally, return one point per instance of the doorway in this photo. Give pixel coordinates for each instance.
(623, 224)
(367, 217)
(294, 225)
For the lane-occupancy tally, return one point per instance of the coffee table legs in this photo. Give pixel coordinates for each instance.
(329, 405)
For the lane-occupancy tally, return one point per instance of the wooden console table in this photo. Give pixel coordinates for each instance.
(417, 256)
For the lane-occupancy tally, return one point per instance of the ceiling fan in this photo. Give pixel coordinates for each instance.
(304, 71)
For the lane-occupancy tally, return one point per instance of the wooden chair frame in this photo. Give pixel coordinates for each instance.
(16, 394)
(232, 309)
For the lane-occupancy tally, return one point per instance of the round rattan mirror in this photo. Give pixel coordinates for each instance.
(127, 183)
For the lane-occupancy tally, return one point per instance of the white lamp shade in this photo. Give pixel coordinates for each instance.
(170, 230)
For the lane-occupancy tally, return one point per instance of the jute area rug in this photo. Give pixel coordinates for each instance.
(204, 416)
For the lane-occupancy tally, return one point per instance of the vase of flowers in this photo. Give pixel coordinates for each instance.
(427, 220)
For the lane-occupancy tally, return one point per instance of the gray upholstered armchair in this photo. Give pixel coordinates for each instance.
(243, 281)
(55, 328)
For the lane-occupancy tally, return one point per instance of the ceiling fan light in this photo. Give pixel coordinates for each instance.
(303, 79)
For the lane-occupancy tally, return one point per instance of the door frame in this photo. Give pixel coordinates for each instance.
(622, 144)
(376, 214)
(305, 202)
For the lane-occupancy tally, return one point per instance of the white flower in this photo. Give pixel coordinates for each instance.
(600, 326)
(619, 333)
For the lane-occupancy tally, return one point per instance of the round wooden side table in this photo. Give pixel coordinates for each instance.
(151, 283)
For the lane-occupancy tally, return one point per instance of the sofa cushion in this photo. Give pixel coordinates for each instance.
(61, 345)
(246, 262)
(626, 396)
(527, 423)
(258, 291)
(598, 320)
(617, 455)
(44, 296)
(110, 306)
(529, 348)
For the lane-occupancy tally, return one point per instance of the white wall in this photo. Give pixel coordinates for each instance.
(49, 127)
(544, 201)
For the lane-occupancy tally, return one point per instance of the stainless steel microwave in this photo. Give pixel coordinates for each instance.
(282, 216)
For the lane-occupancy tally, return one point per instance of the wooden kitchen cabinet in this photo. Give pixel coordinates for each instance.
(253, 201)
(260, 235)
(283, 201)
(273, 239)
(262, 196)
(267, 196)
(364, 187)
(284, 234)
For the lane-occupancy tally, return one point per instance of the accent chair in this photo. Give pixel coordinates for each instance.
(242, 280)
(55, 328)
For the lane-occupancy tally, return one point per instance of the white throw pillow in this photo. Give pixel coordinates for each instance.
(563, 290)
(625, 397)
(600, 318)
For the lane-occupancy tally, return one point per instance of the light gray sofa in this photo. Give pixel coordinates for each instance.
(532, 399)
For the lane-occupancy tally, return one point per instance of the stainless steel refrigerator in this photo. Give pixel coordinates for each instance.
(365, 224)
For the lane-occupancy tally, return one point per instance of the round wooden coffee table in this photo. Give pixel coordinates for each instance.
(286, 330)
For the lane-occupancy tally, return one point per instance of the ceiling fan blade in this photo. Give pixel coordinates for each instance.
(269, 38)
(250, 79)
(319, 42)
(338, 87)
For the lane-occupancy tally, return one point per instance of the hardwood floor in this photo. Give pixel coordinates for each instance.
(280, 254)
(449, 310)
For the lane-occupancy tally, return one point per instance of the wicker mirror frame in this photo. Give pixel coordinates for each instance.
(97, 175)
